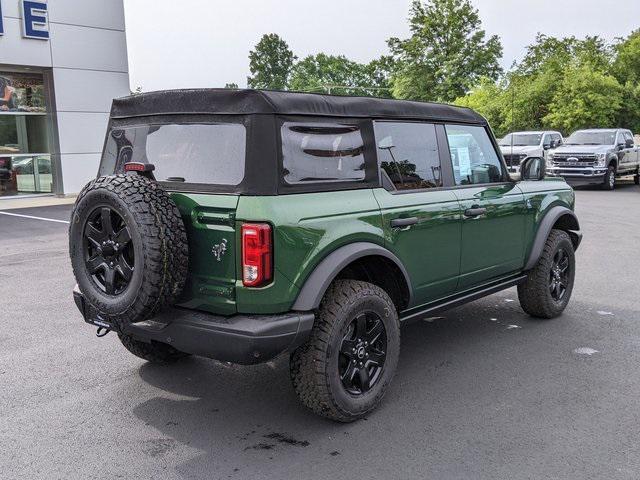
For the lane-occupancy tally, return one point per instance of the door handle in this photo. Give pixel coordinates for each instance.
(474, 211)
(404, 222)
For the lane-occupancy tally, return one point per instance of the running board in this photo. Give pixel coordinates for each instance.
(455, 301)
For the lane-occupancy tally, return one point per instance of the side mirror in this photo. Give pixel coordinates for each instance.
(533, 168)
(621, 146)
(629, 143)
(547, 146)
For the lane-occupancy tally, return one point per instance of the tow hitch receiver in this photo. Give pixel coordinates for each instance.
(91, 316)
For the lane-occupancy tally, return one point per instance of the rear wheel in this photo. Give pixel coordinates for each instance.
(636, 177)
(609, 182)
(547, 290)
(344, 369)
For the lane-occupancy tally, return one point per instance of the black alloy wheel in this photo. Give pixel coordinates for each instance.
(559, 275)
(362, 353)
(108, 250)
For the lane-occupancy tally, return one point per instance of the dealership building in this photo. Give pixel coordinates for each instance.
(61, 64)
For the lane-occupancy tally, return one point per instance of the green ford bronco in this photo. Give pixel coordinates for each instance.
(239, 225)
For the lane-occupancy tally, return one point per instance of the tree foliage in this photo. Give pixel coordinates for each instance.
(586, 98)
(270, 63)
(446, 54)
(338, 75)
(565, 84)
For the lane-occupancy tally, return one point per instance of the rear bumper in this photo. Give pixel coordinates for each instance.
(243, 339)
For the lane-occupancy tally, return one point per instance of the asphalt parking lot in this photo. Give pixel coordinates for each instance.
(483, 393)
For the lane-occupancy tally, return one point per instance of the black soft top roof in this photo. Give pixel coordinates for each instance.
(243, 102)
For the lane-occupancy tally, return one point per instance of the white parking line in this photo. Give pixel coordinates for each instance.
(34, 218)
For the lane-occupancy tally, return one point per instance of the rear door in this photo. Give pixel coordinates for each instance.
(493, 209)
(194, 162)
(421, 219)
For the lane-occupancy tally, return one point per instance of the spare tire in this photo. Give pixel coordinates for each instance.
(128, 248)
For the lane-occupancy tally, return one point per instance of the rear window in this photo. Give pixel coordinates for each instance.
(190, 153)
(322, 152)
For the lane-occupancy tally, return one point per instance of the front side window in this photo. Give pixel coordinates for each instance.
(322, 152)
(474, 158)
(190, 153)
(408, 154)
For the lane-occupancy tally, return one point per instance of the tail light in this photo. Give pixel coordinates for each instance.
(257, 254)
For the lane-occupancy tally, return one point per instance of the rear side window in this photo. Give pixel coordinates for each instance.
(474, 158)
(189, 153)
(322, 152)
(408, 154)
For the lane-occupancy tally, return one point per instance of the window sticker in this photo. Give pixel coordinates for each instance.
(464, 161)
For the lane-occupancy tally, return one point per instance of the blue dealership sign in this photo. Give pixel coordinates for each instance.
(1, 21)
(35, 23)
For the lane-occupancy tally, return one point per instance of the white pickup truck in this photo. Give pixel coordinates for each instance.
(518, 146)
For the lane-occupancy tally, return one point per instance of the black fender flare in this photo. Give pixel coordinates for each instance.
(546, 225)
(326, 271)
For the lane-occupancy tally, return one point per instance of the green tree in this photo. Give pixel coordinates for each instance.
(524, 98)
(488, 99)
(551, 53)
(232, 86)
(270, 63)
(446, 54)
(340, 76)
(626, 66)
(586, 98)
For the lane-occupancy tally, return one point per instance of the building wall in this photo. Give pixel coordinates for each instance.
(87, 58)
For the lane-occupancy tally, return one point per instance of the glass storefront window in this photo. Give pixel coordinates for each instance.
(20, 92)
(25, 163)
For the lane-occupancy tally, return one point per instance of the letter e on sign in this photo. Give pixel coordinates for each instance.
(35, 23)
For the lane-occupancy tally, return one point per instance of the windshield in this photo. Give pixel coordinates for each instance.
(522, 139)
(606, 137)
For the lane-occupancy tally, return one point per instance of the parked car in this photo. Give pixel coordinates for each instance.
(597, 156)
(240, 225)
(518, 146)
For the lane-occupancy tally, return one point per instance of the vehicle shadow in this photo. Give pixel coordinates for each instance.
(240, 413)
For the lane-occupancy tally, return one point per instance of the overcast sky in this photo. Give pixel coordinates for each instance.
(205, 43)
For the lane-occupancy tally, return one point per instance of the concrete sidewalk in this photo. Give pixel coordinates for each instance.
(29, 202)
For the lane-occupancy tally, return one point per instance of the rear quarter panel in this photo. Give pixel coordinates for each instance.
(306, 228)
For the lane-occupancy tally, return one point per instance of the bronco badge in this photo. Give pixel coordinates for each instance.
(219, 249)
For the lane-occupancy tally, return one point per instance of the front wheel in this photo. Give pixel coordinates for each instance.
(547, 290)
(344, 369)
(609, 182)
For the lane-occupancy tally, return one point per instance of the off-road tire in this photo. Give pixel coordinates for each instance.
(314, 365)
(159, 241)
(534, 295)
(609, 181)
(154, 352)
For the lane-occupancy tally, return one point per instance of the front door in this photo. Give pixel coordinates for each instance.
(421, 219)
(628, 156)
(493, 208)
